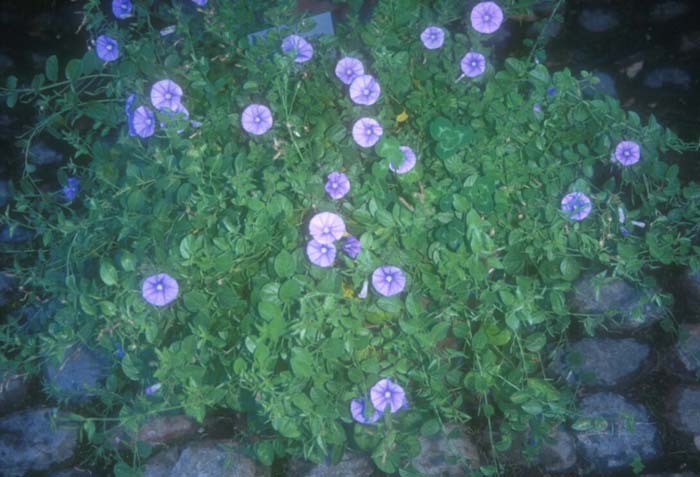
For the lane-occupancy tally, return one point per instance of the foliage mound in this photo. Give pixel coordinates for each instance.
(477, 227)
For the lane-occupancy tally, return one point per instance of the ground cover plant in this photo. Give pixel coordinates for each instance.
(353, 240)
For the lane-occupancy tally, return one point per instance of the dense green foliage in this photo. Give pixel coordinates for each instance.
(476, 226)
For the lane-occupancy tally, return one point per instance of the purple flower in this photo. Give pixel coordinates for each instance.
(71, 189)
(576, 205)
(409, 161)
(388, 280)
(166, 94)
(624, 231)
(366, 132)
(321, 254)
(432, 37)
(365, 90)
(352, 247)
(385, 394)
(473, 64)
(627, 153)
(256, 119)
(338, 185)
(537, 107)
(151, 390)
(348, 68)
(201, 3)
(551, 91)
(326, 227)
(160, 289)
(358, 411)
(302, 49)
(486, 17)
(121, 8)
(143, 122)
(107, 48)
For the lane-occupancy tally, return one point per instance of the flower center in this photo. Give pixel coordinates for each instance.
(487, 17)
(257, 119)
(368, 131)
(348, 72)
(627, 152)
(387, 394)
(149, 122)
(334, 185)
(326, 230)
(433, 36)
(366, 91)
(324, 250)
(168, 96)
(389, 278)
(109, 47)
(474, 64)
(159, 287)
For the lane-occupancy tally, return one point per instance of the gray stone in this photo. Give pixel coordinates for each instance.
(216, 459)
(13, 391)
(626, 307)
(684, 474)
(168, 429)
(627, 432)
(597, 20)
(36, 317)
(691, 290)
(72, 473)
(80, 374)
(668, 76)
(685, 357)
(602, 362)
(8, 128)
(30, 440)
(8, 286)
(161, 464)
(683, 406)
(668, 10)
(446, 455)
(40, 154)
(15, 235)
(6, 63)
(559, 453)
(605, 85)
(353, 464)
(5, 193)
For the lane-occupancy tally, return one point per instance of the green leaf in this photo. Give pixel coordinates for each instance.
(290, 290)
(389, 147)
(11, 99)
(51, 68)
(195, 301)
(285, 264)
(11, 82)
(479, 340)
(302, 363)
(540, 75)
(535, 342)
(438, 127)
(269, 310)
(265, 452)
(73, 69)
(570, 269)
(108, 273)
(430, 427)
(130, 370)
(532, 407)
